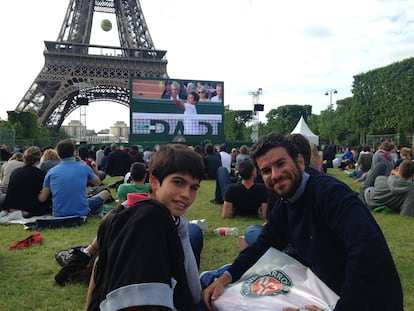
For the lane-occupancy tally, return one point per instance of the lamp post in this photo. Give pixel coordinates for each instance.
(330, 92)
(255, 115)
(82, 101)
(330, 108)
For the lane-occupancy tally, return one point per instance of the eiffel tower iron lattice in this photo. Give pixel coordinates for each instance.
(76, 72)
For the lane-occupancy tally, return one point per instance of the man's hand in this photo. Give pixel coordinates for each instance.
(214, 291)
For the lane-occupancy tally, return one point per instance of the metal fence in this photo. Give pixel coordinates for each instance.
(400, 140)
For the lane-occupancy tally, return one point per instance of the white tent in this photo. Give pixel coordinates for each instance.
(303, 128)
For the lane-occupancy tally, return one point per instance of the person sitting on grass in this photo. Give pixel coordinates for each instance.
(252, 232)
(67, 182)
(118, 161)
(330, 228)
(363, 164)
(76, 259)
(405, 153)
(138, 174)
(243, 155)
(212, 161)
(84, 156)
(395, 191)
(25, 185)
(382, 165)
(50, 158)
(7, 168)
(246, 197)
(145, 258)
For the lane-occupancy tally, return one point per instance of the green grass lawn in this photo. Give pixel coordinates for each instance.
(27, 275)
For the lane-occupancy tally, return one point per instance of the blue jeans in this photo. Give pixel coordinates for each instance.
(223, 179)
(252, 233)
(95, 204)
(196, 240)
(356, 174)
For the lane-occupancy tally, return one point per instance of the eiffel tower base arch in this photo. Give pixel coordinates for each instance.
(76, 72)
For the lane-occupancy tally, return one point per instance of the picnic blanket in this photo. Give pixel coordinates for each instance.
(40, 222)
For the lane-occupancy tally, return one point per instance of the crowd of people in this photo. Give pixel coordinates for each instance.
(53, 181)
(383, 184)
(280, 180)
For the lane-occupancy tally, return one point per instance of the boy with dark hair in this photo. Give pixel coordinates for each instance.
(138, 185)
(145, 257)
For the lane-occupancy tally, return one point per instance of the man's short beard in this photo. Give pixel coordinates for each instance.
(295, 185)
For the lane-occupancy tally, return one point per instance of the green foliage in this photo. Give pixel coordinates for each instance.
(25, 124)
(382, 103)
(404, 140)
(27, 275)
(313, 123)
(48, 137)
(235, 125)
(385, 96)
(28, 132)
(284, 118)
(5, 125)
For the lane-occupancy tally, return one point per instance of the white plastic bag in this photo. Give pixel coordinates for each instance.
(274, 282)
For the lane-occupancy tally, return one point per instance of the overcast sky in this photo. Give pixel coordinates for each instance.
(294, 50)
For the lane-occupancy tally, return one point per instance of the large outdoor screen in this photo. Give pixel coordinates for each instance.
(175, 110)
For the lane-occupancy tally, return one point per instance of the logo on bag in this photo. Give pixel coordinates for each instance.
(276, 282)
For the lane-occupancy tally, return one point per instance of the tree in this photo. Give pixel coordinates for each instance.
(25, 124)
(28, 132)
(385, 97)
(235, 124)
(284, 118)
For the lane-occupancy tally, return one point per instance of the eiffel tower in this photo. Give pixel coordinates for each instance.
(76, 72)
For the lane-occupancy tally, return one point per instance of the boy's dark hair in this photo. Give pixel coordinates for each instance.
(246, 168)
(406, 169)
(196, 96)
(138, 171)
(65, 149)
(270, 141)
(175, 158)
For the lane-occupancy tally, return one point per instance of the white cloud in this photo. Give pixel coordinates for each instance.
(294, 50)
